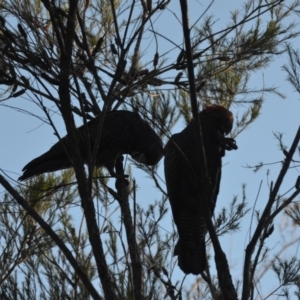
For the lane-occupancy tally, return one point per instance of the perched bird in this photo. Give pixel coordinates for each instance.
(185, 186)
(123, 132)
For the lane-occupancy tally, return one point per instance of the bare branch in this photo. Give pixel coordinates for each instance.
(265, 217)
(21, 201)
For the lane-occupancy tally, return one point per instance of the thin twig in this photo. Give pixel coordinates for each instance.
(265, 217)
(21, 201)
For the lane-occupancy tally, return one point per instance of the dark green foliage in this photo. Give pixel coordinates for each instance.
(80, 59)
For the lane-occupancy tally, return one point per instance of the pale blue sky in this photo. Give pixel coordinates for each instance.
(24, 137)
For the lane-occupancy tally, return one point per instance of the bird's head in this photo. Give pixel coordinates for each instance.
(149, 158)
(220, 116)
(146, 147)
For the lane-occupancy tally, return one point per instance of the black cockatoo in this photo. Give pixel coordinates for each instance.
(184, 184)
(123, 132)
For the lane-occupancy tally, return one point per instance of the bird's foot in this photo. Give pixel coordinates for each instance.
(118, 176)
(121, 185)
(228, 144)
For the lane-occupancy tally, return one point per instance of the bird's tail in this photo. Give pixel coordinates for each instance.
(43, 164)
(191, 257)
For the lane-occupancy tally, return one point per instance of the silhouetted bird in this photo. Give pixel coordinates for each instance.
(123, 132)
(185, 186)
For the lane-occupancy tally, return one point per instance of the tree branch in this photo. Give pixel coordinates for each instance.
(83, 188)
(224, 276)
(265, 217)
(21, 201)
(121, 185)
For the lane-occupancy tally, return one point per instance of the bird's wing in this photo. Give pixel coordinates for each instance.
(173, 175)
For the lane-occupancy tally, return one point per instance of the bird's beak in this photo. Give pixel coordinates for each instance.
(226, 128)
(138, 156)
